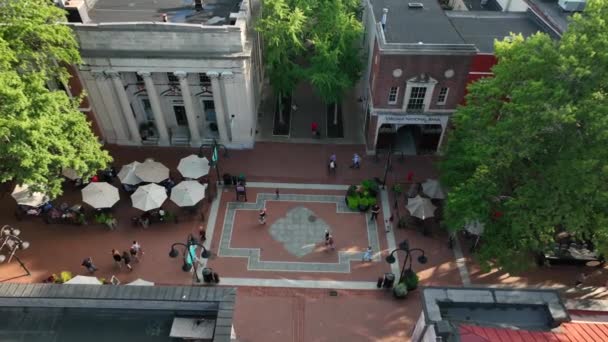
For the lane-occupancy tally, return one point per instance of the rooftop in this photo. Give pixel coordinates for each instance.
(550, 10)
(65, 312)
(482, 28)
(428, 24)
(214, 12)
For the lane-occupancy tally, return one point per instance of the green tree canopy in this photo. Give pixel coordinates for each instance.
(528, 155)
(313, 39)
(42, 131)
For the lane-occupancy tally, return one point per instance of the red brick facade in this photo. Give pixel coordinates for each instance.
(434, 66)
(76, 89)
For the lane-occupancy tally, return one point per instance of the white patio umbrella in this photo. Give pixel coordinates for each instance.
(193, 166)
(70, 173)
(141, 282)
(24, 196)
(152, 171)
(100, 195)
(84, 280)
(475, 227)
(421, 207)
(433, 189)
(188, 193)
(149, 197)
(127, 174)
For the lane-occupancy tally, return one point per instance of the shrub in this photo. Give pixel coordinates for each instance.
(65, 276)
(397, 189)
(400, 290)
(372, 201)
(352, 202)
(352, 190)
(410, 280)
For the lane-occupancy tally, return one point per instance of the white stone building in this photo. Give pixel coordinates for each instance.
(184, 81)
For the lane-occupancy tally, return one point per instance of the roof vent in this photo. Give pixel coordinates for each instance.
(415, 5)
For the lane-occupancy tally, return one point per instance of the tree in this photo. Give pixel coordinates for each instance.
(335, 61)
(528, 156)
(281, 27)
(42, 130)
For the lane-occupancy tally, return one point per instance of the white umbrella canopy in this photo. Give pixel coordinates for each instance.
(149, 197)
(24, 196)
(100, 195)
(84, 280)
(193, 166)
(70, 173)
(421, 207)
(141, 282)
(188, 193)
(152, 171)
(475, 227)
(433, 189)
(127, 174)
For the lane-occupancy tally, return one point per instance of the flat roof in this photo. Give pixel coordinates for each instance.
(429, 24)
(551, 11)
(215, 12)
(66, 312)
(481, 28)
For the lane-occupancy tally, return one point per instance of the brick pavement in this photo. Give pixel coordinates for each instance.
(298, 315)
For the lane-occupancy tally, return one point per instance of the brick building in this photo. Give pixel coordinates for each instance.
(420, 59)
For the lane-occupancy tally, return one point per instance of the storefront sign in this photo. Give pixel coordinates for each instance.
(412, 119)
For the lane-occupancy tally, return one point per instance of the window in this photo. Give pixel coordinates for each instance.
(139, 78)
(416, 101)
(172, 78)
(443, 96)
(204, 79)
(392, 95)
(147, 109)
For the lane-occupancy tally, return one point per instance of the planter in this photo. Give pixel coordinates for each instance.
(410, 280)
(400, 291)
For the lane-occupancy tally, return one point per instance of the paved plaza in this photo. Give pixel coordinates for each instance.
(292, 287)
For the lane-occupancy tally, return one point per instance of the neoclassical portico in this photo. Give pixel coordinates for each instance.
(118, 98)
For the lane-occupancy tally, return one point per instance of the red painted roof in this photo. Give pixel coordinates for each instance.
(568, 332)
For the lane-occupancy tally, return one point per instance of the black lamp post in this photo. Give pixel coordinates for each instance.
(10, 240)
(186, 267)
(388, 165)
(214, 160)
(405, 246)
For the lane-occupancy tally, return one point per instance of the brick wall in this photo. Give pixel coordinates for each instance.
(413, 65)
(76, 88)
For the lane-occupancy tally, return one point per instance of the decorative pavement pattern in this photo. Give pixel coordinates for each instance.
(294, 231)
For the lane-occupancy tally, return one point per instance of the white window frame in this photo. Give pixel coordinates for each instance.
(441, 101)
(414, 82)
(395, 94)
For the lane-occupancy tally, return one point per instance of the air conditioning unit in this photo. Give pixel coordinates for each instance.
(572, 5)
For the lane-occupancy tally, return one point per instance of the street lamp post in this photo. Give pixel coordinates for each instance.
(405, 247)
(10, 240)
(214, 160)
(387, 166)
(190, 252)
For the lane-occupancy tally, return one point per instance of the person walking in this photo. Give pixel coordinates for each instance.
(375, 212)
(88, 264)
(262, 216)
(580, 279)
(367, 256)
(126, 258)
(331, 166)
(117, 258)
(314, 127)
(326, 237)
(136, 250)
(202, 234)
(331, 243)
(356, 162)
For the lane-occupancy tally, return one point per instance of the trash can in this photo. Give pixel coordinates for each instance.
(389, 280)
(227, 179)
(207, 275)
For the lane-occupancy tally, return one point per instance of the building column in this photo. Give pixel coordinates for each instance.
(195, 137)
(125, 105)
(218, 100)
(121, 136)
(159, 119)
(226, 82)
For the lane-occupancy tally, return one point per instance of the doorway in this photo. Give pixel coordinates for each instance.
(180, 115)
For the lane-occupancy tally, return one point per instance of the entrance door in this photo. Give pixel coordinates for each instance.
(180, 115)
(210, 117)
